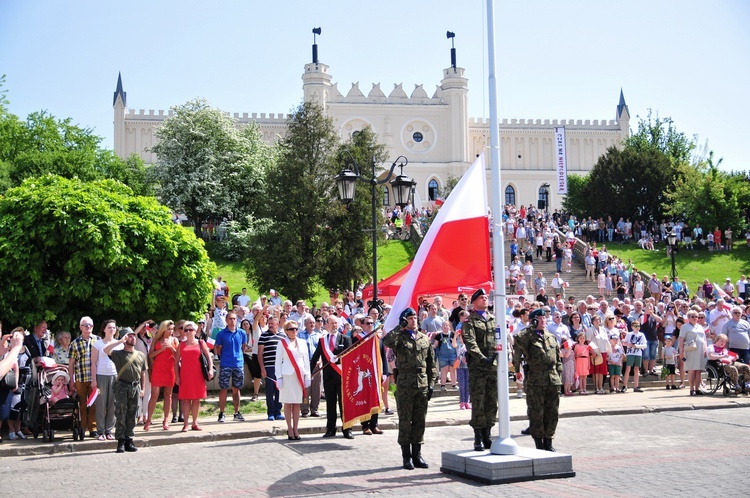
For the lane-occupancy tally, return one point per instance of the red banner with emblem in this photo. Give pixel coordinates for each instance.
(361, 376)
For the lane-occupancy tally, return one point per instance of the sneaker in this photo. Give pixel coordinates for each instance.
(174, 420)
(109, 437)
(102, 437)
(254, 398)
(442, 389)
(519, 394)
(623, 389)
(238, 417)
(611, 391)
(93, 434)
(21, 435)
(637, 390)
(669, 387)
(468, 406)
(462, 406)
(222, 418)
(271, 417)
(11, 436)
(455, 387)
(280, 417)
(388, 411)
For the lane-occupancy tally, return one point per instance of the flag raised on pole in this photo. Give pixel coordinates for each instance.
(361, 372)
(455, 253)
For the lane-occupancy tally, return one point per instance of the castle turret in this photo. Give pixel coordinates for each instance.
(455, 90)
(119, 103)
(316, 82)
(623, 116)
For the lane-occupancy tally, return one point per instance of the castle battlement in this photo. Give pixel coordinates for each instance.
(588, 124)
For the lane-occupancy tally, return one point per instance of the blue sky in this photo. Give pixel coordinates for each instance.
(688, 60)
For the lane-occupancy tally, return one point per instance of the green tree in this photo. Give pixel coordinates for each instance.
(574, 201)
(634, 181)
(207, 167)
(710, 197)
(349, 250)
(288, 240)
(73, 248)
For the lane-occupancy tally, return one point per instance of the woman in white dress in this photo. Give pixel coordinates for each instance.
(292, 376)
(692, 346)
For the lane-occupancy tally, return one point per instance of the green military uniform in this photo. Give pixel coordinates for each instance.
(542, 354)
(127, 391)
(479, 338)
(417, 371)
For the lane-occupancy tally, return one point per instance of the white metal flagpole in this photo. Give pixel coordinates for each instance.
(504, 445)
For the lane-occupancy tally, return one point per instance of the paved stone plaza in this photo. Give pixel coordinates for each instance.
(668, 453)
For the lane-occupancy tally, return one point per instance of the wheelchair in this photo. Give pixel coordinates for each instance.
(714, 378)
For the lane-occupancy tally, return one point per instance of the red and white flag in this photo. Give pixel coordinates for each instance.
(455, 253)
(361, 369)
(92, 397)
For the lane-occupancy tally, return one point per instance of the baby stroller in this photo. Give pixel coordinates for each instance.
(45, 417)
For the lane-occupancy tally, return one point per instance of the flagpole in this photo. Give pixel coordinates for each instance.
(504, 445)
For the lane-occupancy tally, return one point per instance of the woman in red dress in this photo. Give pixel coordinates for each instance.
(162, 353)
(189, 376)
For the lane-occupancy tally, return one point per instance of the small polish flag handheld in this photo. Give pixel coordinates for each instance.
(51, 349)
(455, 251)
(92, 397)
(210, 342)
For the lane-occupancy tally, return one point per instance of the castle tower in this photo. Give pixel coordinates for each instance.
(119, 103)
(455, 90)
(316, 82)
(623, 117)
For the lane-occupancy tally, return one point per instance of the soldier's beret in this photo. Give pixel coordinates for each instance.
(536, 313)
(478, 293)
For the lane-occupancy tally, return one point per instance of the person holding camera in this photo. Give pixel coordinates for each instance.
(417, 371)
(479, 338)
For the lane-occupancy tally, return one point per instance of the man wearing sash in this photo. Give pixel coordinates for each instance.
(330, 346)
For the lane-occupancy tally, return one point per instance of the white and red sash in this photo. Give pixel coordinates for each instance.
(286, 343)
(328, 344)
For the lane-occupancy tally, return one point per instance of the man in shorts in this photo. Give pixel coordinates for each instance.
(230, 345)
(635, 343)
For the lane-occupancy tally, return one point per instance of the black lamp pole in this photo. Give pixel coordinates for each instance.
(402, 187)
(672, 241)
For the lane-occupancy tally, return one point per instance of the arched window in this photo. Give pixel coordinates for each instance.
(543, 202)
(510, 195)
(432, 189)
(386, 196)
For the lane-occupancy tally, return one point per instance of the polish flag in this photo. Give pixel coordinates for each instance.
(454, 255)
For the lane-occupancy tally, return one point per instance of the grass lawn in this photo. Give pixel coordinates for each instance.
(392, 256)
(692, 266)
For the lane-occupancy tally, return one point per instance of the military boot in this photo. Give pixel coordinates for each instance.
(478, 445)
(406, 454)
(486, 437)
(548, 444)
(120, 446)
(129, 446)
(416, 457)
(539, 442)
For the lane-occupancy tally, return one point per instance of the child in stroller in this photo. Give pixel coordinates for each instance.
(59, 387)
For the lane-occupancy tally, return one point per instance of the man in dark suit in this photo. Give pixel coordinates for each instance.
(334, 343)
(38, 342)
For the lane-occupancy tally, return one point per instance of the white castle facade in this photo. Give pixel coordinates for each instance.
(434, 132)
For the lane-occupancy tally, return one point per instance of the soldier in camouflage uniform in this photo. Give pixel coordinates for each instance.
(479, 337)
(131, 377)
(416, 374)
(542, 354)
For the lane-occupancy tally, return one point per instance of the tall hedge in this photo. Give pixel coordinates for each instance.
(70, 248)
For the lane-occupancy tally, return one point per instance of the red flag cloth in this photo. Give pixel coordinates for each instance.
(455, 253)
(361, 369)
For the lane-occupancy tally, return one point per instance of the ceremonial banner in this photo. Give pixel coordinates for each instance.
(561, 166)
(361, 381)
(454, 255)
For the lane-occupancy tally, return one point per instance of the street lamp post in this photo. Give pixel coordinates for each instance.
(402, 187)
(672, 241)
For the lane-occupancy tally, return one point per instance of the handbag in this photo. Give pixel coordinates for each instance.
(10, 380)
(204, 364)
(690, 346)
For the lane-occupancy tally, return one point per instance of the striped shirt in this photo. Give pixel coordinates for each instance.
(269, 342)
(80, 357)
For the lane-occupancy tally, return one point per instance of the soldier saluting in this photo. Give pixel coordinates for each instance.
(479, 338)
(415, 363)
(542, 354)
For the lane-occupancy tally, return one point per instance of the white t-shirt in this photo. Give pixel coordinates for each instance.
(638, 341)
(105, 366)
